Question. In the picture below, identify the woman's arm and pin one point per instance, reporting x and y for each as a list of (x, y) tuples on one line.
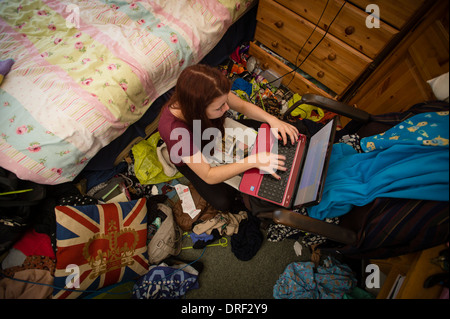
[(254, 112), (267, 162)]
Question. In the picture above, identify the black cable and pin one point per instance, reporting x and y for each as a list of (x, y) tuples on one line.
[(297, 67), (310, 35)]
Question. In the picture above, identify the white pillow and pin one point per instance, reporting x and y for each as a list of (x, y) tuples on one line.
[(440, 88)]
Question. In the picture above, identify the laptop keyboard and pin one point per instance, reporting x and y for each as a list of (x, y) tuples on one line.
[(271, 188)]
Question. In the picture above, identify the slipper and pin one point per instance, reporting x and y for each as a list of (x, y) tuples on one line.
[(163, 156)]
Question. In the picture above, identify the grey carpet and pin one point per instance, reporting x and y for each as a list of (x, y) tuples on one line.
[(224, 276)]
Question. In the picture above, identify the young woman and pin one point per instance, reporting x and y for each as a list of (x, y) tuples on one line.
[(202, 97)]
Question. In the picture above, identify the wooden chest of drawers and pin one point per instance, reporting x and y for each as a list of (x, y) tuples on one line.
[(332, 42), (401, 80)]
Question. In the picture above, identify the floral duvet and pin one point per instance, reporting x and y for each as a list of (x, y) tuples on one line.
[(83, 71)]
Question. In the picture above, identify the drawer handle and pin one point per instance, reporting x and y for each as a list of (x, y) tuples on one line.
[(275, 44), (265, 66), (320, 74), (332, 56), (279, 24), (349, 30)]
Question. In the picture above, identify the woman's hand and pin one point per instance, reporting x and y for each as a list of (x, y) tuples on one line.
[(268, 162), (285, 130), (255, 112)]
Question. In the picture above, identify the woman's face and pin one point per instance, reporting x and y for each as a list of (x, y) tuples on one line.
[(218, 107)]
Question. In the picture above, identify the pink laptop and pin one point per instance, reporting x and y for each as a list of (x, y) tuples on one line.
[(307, 163)]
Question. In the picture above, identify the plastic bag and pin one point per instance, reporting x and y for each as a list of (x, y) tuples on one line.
[(305, 110), (147, 167)]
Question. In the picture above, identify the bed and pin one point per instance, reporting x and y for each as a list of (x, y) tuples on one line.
[(83, 73)]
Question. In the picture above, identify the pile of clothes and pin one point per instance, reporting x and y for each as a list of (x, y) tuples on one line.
[(263, 88)]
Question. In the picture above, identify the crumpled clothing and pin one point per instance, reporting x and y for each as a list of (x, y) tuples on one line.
[(246, 243), (354, 140), (279, 232), (164, 282), (226, 223), (201, 237), (30, 263), (18, 289), (241, 85), (428, 129), (303, 280), (305, 111), (34, 243), (410, 160)]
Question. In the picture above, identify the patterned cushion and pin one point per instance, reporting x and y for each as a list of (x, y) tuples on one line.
[(99, 245)]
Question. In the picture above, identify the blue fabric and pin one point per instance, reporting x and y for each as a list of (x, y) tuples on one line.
[(302, 280), (201, 237), (405, 169), (94, 178), (241, 84), (429, 129)]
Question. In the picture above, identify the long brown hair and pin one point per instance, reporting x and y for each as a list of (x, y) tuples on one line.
[(197, 87)]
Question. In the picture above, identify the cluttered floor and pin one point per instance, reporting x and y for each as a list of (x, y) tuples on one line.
[(123, 233)]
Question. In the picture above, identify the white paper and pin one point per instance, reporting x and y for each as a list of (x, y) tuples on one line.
[(187, 202), (298, 248)]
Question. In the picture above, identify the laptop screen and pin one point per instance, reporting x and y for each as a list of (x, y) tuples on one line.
[(314, 165)]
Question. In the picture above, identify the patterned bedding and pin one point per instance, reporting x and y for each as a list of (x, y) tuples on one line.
[(83, 71)]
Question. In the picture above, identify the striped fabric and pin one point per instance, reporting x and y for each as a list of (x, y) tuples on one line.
[(393, 227)]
